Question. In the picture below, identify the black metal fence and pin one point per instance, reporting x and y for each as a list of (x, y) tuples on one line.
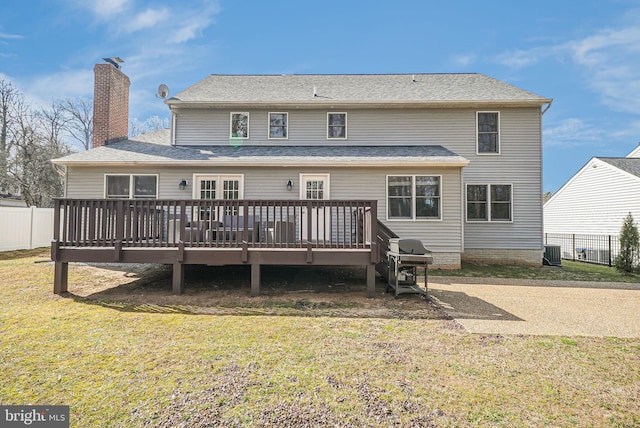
[(598, 249)]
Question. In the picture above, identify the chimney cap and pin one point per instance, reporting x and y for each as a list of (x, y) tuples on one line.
[(115, 61)]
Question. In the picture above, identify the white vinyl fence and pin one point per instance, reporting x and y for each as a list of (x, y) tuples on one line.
[(25, 228)]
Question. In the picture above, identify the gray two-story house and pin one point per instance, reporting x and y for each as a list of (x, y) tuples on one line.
[(309, 169)]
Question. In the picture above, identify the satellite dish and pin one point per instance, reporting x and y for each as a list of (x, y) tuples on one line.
[(163, 91)]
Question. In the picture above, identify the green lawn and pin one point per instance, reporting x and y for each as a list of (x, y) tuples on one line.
[(570, 271), (129, 364)]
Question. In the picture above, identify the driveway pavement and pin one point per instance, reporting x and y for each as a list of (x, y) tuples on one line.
[(497, 306)]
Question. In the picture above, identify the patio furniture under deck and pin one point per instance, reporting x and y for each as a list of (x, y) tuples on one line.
[(215, 232)]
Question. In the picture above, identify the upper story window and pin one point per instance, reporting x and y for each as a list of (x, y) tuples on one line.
[(129, 186), (278, 126), (239, 125), (488, 126), (337, 126), (413, 197), (489, 202)]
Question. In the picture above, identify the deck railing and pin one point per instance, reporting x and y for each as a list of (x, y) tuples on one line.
[(215, 223)]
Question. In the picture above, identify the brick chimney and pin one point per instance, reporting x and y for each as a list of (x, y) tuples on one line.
[(110, 105)]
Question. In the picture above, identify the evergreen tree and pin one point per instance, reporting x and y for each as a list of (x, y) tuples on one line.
[(629, 245)]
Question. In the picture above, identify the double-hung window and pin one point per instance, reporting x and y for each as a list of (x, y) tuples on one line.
[(336, 126), (131, 186), (489, 202), (278, 126), (239, 125), (413, 197), (488, 132)]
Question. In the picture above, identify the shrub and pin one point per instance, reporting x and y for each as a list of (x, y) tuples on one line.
[(629, 246)]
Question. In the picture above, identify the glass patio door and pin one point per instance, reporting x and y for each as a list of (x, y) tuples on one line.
[(315, 187)]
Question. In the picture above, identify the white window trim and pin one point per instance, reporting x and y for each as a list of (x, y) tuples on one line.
[(218, 178), (131, 188), (231, 125), (346, 125), (413, 198), (269, 137), (499, 142), (489, 217), (306, 176)]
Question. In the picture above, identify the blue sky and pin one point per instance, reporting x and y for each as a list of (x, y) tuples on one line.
[(585, 55)]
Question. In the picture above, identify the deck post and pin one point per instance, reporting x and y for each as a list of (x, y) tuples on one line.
[(178, 278), (61, 277), (371, 280), (255, 279)]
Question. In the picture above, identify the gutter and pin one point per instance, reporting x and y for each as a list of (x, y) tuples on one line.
[(352, 163), (547, 107), (178, 104)]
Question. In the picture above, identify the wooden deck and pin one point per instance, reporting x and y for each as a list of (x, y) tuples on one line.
[(215, 232)]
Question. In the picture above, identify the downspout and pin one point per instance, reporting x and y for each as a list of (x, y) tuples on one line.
[(541, 171), (173, 128)]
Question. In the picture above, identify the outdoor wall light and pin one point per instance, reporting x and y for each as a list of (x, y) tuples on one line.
[(183, 184), (289, 185)]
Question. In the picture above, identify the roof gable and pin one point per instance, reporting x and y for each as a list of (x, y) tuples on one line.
[(630, 166)]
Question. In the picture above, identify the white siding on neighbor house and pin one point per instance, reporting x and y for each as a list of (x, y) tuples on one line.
[(270, 183), (519, 162), (594, 202)]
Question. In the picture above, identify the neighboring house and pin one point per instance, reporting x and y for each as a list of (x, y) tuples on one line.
[(597, 198), (451, 159), (12, 201), (11, 197)]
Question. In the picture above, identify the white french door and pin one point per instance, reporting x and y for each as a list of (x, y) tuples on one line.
[(225, 187)]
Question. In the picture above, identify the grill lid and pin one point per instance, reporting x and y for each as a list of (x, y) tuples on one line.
[(407, 246)]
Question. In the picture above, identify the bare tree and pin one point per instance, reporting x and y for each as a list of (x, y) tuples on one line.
[(152, 124), (79, 125), (52, 123), (34, 137), (8, 95)]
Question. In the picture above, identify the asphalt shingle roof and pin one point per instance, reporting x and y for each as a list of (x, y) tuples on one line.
[(155, 149), (630, 165), (361, 88)]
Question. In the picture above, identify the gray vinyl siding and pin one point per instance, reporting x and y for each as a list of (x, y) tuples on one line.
[(595, 201), (270, 183), (519, 164)]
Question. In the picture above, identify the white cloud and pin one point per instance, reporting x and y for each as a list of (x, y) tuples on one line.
[(463, 60), (147, 19), (608, 59), (104, 9), (571, 132), (190, 25), (67, 84), (523, 58), (11, 36)]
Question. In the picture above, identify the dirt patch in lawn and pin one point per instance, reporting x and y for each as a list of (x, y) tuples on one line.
[(225, 290)]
